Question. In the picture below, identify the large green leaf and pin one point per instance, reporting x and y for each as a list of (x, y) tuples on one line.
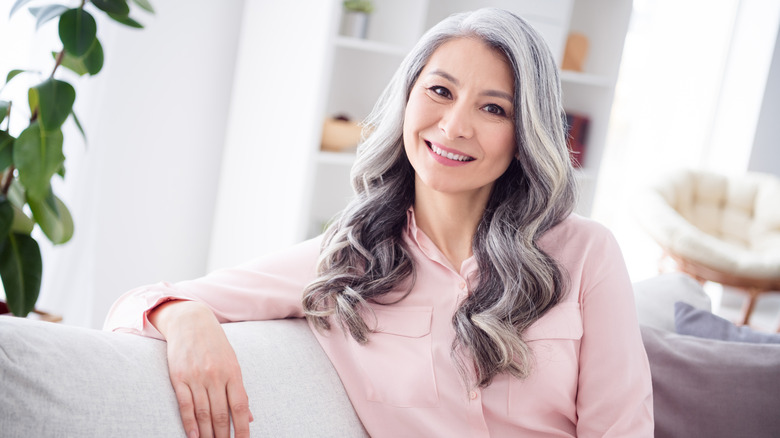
[(144, 4), (90, 62), (77, 31), (6, 148), (20, 268), (22, 223), (118, 7), (12, 74), (38, 155), (6, 216), (53, 217), (54, 100), (127, 21), (16, 194), (4, 105)]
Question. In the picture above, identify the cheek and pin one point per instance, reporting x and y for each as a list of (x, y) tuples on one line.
[(412, 120), (506, 146)]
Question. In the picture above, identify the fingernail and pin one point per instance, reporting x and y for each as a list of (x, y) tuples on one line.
[(193, 434), (251, 417)]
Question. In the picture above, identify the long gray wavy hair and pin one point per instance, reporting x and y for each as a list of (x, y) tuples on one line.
[(364, 256)]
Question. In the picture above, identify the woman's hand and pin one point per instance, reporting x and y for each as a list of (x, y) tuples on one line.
[(204, 371)]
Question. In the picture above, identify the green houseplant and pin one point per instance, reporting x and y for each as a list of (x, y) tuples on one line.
[(364, 6), (30, 159)]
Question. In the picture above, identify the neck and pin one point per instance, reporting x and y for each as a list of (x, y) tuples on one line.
[(449, 220)]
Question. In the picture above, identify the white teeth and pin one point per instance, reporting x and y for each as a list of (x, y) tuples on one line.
[(449, 155)]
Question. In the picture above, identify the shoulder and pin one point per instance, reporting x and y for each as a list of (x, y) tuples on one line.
[(583, 247), (576, 231), (301, 256)]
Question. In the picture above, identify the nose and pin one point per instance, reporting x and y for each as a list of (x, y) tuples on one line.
[(456, 122)]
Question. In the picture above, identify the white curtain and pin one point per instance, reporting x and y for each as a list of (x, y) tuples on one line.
[(693, 74)]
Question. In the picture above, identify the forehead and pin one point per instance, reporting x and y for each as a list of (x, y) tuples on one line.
[(472, 59)]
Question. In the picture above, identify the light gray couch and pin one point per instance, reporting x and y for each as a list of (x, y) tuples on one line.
[(62, 381)]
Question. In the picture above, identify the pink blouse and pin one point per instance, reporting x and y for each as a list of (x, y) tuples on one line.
[(590, 376)]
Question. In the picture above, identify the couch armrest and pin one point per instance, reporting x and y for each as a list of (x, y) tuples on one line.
[(58, 380)]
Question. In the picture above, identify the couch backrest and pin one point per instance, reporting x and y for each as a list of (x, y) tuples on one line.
[(58, 380)]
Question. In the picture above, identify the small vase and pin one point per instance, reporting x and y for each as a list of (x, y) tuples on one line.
[(354, 24)]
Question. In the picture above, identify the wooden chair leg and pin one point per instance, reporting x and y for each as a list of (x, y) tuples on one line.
[(750, 304)]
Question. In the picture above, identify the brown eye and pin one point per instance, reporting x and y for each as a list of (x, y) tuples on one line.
[(494, 109), (441, 91)]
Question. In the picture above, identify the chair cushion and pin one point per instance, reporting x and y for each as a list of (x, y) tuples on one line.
[(730, 224)]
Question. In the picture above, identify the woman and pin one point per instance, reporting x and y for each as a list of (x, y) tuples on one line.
[(456, 295)]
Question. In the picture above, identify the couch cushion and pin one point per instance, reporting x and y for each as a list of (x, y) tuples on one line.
[(691, 321), (58, 380), (714, 389), (655, 298)]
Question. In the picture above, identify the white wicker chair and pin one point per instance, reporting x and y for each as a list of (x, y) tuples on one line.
[(718, 228)]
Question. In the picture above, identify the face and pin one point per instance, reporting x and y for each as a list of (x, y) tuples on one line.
[(459, 124)]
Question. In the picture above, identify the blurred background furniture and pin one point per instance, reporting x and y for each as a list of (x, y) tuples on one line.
[(718, 228)]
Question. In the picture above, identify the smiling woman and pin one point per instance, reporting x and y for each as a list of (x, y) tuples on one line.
[(459, 135), (455, 295)]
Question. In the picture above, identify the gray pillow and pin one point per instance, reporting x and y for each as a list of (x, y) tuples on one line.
[(710, 388), (691, 321)]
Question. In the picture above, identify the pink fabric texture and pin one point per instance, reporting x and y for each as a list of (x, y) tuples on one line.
[(590, 375)]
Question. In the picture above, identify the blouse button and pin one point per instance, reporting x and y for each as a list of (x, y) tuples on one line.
[(462, 286), (473, 395)]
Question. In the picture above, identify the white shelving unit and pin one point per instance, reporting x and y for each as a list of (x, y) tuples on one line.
[(359, 70)]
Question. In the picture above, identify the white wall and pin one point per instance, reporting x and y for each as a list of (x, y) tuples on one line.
[(765, 156), (143, 190), (745, 78), (278, 96)]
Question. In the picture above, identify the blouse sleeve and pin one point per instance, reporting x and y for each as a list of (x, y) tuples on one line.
[(614, 396), (262, 289)]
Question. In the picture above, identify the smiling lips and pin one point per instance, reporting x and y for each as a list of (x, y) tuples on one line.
[(446, 157)]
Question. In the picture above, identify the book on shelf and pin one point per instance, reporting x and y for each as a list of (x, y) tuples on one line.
[(576, 136)]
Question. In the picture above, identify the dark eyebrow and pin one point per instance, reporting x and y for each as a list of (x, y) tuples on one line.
[(446, 76), (491, 93), (500, 95)]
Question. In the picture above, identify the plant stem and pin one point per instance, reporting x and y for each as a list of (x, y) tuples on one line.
[(57, 62), (8, 177)]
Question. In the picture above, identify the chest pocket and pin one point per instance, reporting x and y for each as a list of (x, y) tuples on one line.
[(563, 321), (397, 361), (552, 384)]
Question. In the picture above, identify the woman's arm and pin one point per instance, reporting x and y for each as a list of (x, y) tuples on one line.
[(266, 288), (614, 396), (204, 370)]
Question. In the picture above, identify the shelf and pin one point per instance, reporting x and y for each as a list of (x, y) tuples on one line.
[(575, 77), (338, 158), (370, 46)]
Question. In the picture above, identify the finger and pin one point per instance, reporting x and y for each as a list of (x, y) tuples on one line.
[(202, 411), (186, 409), (239, 408), (220, 413)]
